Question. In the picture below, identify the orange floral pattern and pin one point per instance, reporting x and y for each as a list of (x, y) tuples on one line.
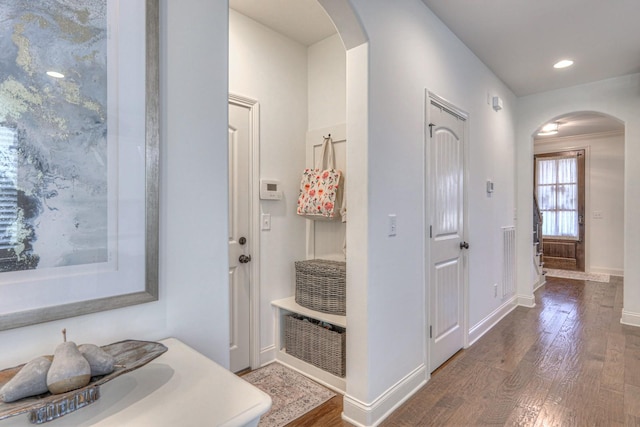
[(319, 193)]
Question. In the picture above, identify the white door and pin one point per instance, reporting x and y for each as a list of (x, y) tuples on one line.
[(447, 246), (239, 236)]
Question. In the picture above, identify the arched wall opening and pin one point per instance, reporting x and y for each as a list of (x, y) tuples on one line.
[(615, 98), (599, 220)]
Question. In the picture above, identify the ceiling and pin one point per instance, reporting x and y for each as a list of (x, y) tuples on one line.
[(302, 20), (519, 40)]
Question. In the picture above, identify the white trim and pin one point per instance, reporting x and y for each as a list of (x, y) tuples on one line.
[(581, 137), (528, 301), (267, 355), (629, 318), (485, 325), (363, 414), (605, 270), (253, 239)]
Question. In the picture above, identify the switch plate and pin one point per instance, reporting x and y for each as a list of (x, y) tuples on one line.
[(393, 225), (265, 221)]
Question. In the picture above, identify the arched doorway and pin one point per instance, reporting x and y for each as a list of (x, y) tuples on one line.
[(579, 186)]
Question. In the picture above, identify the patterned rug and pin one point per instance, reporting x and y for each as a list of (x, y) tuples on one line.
[(293, 394), (578, 275)]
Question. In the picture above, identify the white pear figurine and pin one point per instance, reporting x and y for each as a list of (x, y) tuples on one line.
[(69, 369), (101, 362), (30, 380)]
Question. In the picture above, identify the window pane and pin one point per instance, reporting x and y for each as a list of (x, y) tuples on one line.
[(546, 197), (567, 170), (567, 224), (546, 172), (567, 197), (549, 223)]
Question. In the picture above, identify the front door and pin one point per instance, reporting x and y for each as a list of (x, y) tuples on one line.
[(560, 188), (239, 243), (447, 246)]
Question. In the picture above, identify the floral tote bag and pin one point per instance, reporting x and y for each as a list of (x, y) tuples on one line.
[(321, 187)]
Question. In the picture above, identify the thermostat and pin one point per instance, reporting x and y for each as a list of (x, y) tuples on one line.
[(270, 190)]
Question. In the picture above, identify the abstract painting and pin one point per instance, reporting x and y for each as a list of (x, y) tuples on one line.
[(53, 133)]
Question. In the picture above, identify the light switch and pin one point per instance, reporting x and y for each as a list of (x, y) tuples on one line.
[(265, 221), (393, 225)]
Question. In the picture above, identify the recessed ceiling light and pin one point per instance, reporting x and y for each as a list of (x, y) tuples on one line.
[(563, 64), (55, 74)]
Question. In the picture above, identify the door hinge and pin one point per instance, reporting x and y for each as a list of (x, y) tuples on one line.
[(431, 125), (431, 231), (430, 331)]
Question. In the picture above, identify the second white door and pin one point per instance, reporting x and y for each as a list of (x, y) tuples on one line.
[(447, 245)]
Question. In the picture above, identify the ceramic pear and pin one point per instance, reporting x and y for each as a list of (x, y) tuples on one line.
[(101, 362), (29, 381), (69, 369)]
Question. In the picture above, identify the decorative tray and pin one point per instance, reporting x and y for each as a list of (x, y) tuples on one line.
[(129, 355)]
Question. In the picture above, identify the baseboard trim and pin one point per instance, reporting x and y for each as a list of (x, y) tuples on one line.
[(363, 414), (630, 318), (491, 320), (528, 301), (267, 355), (609, 271), (541, 283)]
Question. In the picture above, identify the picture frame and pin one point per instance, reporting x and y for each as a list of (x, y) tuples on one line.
[(128, 272)]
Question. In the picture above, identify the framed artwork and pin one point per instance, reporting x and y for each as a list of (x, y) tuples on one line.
[(78, 157)]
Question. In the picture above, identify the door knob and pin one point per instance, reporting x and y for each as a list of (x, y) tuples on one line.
[(464, 245), (244, 259)]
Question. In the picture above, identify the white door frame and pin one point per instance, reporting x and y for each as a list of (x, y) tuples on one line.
[(253, 240), (431, 96)]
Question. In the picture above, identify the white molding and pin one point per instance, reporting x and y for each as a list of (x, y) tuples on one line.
[(582, 137), (364, 414), (609, 271), (486, 324), (630, 318), (528, 301), (541, 282), (267, 355), (253, 106)]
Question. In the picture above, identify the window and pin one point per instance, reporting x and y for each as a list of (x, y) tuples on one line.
[(557, 191)]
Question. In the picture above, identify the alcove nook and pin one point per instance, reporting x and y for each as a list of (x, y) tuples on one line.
[(298, 79)]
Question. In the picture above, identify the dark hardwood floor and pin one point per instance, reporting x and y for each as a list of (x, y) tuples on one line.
[(566, 362)]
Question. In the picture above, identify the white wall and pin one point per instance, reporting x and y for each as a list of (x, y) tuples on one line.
[(327, 115), (272, 69), (604, 195), (617, 97), (410, 50), (327, 83), (193, 303)]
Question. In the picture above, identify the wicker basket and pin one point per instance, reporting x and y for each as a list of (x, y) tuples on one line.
[(321, 285), (315, 344)]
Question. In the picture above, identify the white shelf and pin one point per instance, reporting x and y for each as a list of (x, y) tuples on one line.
[(290, 304)]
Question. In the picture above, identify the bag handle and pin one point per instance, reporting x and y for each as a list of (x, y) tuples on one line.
[(327, 150)]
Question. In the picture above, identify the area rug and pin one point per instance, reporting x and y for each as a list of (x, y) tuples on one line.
[(578, 275), (292, 394)]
